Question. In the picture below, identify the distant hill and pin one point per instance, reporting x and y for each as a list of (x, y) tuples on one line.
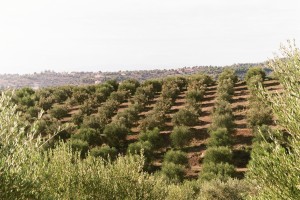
[(51, 78)]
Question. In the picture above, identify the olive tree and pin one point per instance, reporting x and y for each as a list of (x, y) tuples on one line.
[(274, 168)]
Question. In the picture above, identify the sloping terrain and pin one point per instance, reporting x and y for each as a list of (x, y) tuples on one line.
[(242, 137)]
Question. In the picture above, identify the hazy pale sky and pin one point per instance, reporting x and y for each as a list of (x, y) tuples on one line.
[(111, 35)]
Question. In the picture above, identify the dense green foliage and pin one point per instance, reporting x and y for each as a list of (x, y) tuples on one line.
[(274, 165), (185, 117), (180, 136)]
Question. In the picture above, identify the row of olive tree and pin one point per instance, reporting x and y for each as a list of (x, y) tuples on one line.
[(29, 171), (217, 162)]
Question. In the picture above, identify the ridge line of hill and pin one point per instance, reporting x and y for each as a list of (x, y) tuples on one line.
[(50, 78)]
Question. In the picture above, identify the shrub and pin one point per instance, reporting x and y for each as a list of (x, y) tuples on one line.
[(112, 83), (128, 117), (140, 99), (156, 84), (104, 152), (152, 121), (201, 79), (33, 111), (87, 108), (218, 155), (222, 121), (219, 137), (222, 107), (173, 172), (59, 112), (77, 118), (176, 157), (170, 90), (225, 90), (103, 91), (228, 74), (163, 105), (119, 96), (80, 145), (128, 87), (180, 136), (108, 109), (60, 95), (253, 84), (195, 94), (115, 134), (89, 135), (147, 91), (80, 95), (259, 114), (232, 189), (142, 147), (193, 105), (186, 117), (94, 121), (153, 137), (221, 171), (45, 103), (255, 71), (29, 171)]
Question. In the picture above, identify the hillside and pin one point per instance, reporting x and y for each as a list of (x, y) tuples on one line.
[(196, 148), (112, 118), (50, 78)]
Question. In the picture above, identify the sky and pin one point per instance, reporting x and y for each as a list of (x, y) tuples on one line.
[(113, 35)]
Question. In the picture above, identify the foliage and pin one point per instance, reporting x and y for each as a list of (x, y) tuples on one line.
[(115, 134), (218, 155), (77, 118), (176, 157), (221, 171), (225, 89), (108, 109), (258, 114), (274, 168), (80, 94), (186, 117), (104, 152), (141, 147), (119, 96), (153, 120), (59, 111), (170, 90), (45, 102), (228, 74), (28, 172), (79, 145), (195, 94), (60, 95), (129, 85), (255, 71), (222, 121), (89, 135), (201, 79), (153, 137), (173, 172), (129, 116), (180, 136), (232, 189), (219, 137), (156, 84)]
